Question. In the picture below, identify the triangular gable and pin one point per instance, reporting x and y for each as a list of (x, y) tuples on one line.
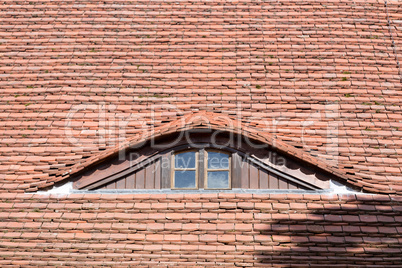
[(204, 122)]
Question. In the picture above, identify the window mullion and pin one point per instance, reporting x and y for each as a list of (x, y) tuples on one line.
[(201, 169)]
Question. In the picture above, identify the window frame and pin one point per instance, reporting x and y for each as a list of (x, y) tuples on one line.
[(174, 169), (201, 168), (206, 169)]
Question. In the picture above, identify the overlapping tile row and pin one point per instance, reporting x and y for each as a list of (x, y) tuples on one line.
[(205, 230), (322, 75)]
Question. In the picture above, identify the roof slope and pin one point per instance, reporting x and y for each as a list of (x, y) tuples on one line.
[(78, 76)]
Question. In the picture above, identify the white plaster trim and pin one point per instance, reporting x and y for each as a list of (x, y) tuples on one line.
[(66, 188), (338, 188)]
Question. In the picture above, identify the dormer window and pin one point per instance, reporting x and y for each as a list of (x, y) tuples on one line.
[(200, 165), (202, 169)]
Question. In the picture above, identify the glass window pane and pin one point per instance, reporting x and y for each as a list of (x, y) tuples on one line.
[(218, 160), (218, 179), (185, 160), (184, 179)]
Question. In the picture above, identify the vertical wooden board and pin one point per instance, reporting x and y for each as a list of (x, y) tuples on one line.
[(245, 181), (150, 176), (236, 170), (121, 183), (130, 181), (263, 179), (293, 185), (273, 181), (283, 184), (140, 179), (110, 186), (254, 177), (157, 175), (165, 170)]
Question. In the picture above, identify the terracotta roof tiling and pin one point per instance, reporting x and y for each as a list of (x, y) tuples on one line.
[(79, 77), (200, 230)]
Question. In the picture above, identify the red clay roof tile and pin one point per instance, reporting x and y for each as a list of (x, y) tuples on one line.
[(290, 61)]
